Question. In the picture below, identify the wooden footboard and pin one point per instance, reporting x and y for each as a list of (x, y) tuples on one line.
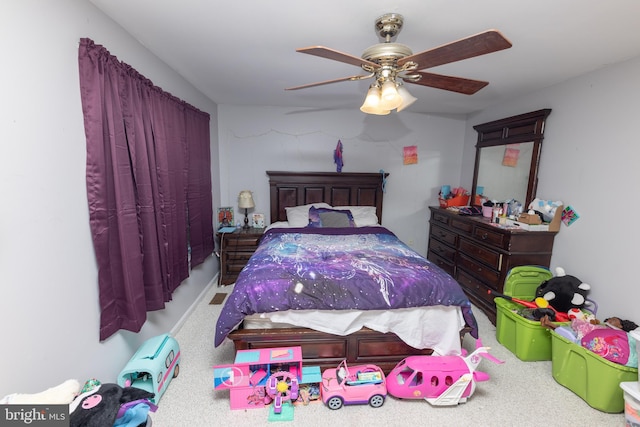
[(327, 350)]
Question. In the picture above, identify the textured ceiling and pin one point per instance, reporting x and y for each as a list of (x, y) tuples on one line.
[(243, 53)]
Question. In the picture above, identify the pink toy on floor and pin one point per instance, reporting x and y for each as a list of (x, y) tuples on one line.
[(440, 380)]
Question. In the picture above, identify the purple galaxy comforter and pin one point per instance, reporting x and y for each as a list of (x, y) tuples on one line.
[(365, 268)]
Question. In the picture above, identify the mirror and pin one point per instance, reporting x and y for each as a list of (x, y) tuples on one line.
[(507, 158), (503, 171)]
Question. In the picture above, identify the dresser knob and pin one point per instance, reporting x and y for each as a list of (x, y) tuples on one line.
[(484, 236)]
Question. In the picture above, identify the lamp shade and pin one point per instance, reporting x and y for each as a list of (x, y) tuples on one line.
[(407, 98), (371, 103), (389, 97), (245, 200)]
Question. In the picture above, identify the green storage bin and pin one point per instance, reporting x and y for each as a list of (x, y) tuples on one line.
[(523, 337), (593, 378)]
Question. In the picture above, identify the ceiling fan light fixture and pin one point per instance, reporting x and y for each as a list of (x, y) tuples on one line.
[(407, 98), (372, 103), (391, 64), (389, 97)]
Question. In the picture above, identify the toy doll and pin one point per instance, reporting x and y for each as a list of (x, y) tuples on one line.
[(610, 340)]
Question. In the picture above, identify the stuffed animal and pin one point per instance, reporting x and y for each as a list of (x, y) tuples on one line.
[(104, 404), (587, 316), (61, 394), (564, 292)]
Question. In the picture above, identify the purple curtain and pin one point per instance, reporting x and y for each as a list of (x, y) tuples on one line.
[(149, 198), (199, 188)]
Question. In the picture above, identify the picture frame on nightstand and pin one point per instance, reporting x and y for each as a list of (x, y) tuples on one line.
[(257, 220), (225, 217)]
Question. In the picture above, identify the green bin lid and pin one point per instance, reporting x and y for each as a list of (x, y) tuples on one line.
[(522, 281)]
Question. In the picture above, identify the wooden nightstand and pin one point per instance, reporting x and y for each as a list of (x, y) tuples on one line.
[(235, 250)]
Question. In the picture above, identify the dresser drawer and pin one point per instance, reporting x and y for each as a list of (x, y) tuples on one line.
[(486, 274), (490, 237), (478, 252), (238, 257), (443, 250), (439, 217), (461, 225), (444, 264), (240, 243), (444, 235), (479, 289)]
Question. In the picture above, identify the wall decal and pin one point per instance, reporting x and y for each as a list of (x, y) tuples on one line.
[(410, 155)]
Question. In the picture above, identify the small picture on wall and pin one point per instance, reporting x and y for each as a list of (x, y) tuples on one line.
[(225, 217), (569, 216), (410, 155)]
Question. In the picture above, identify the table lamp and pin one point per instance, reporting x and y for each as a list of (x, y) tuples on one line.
[(245, 201)]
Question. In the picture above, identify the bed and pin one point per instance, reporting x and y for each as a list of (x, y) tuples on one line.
[(314, 191)]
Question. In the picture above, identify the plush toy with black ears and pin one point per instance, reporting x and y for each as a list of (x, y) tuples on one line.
[(104, 404), (564, 292)]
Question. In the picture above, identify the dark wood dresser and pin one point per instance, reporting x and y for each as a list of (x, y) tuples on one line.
[(479, 255), (235, 250)]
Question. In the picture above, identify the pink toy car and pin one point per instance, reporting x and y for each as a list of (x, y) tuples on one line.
[(357, 385)]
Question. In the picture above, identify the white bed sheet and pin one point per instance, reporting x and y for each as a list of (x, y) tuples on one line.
[(435, 327), (278, 224)]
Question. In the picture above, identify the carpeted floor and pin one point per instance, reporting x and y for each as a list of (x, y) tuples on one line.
[(518, 393)]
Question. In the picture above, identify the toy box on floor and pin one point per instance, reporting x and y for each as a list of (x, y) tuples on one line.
[(535, 293), (636, 336), (523, 337), (593, 378), (631, 403)]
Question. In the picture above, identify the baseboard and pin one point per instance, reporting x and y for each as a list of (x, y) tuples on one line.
[(176, 328)]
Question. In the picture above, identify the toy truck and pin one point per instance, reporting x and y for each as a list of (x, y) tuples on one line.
[(153, 366)]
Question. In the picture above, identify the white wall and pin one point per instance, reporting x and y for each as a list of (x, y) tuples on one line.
[(49, 303), (590, 158), (256, 139)]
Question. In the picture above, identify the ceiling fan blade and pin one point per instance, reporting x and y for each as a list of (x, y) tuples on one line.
[(476, 45), (326, 82), (325, 52), (453, 84)]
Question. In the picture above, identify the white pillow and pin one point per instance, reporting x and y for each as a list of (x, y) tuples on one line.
[(298, 216), (363, 216), (277, 224)]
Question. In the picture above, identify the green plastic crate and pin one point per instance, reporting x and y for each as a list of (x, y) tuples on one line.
[(523, 337), (593, 378)]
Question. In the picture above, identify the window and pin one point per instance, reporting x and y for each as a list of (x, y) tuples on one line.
[(148, 187)]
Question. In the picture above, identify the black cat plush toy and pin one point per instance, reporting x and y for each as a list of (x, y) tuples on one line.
[(564, 292), (104, 404)]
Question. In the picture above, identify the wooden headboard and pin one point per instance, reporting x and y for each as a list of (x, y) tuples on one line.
[(335, 188)]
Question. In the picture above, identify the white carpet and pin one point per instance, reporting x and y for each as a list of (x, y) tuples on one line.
[(518, 393)]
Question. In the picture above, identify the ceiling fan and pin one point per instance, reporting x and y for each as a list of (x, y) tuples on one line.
[(391, 64)]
